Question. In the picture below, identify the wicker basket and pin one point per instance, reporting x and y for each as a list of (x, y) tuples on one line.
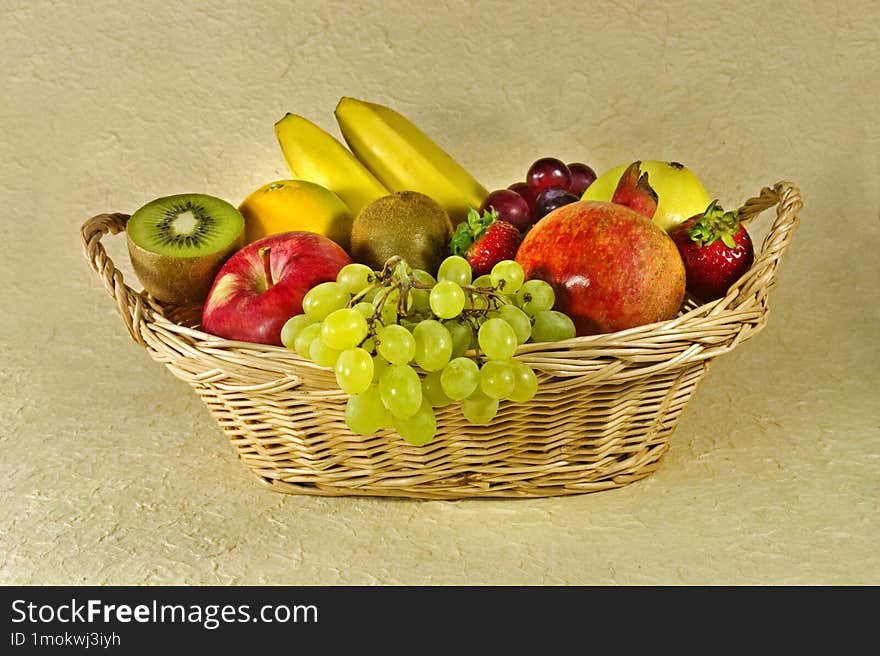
[(605, 409)]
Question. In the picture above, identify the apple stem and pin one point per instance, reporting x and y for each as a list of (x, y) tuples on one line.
[(264, 254)]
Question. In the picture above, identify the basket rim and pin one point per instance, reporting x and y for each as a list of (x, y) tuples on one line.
[(745, 300)]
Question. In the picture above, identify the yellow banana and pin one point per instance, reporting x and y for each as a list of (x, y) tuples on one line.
[(314, 155), (404, 158)]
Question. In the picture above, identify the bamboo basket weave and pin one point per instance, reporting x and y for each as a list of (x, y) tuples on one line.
[(602, 418)]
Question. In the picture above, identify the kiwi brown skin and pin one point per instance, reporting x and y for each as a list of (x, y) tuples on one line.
[(179, 280), (179, 268), (406, 223)]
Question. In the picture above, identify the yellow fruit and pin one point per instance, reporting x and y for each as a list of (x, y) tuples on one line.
[(404, 158), (286, 205), (315, 155), (680, 193)]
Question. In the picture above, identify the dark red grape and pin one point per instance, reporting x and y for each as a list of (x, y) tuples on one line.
[(549, 199), (582, 176), (510, 207), (525, 191), (548, 172)]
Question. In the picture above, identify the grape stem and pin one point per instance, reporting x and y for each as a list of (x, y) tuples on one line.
[(395, 275)]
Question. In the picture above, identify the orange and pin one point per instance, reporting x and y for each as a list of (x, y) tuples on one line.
[(285, 205)]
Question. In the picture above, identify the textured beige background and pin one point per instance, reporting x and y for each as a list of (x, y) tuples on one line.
[(113, 472)]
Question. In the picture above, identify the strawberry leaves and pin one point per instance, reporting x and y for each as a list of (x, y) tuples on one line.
[(470, 230), (715, 224)]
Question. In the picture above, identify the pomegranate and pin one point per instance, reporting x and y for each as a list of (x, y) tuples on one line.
[(611, 266)]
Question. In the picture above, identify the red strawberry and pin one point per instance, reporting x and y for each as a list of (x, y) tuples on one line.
[(484, 240), (716, 250)]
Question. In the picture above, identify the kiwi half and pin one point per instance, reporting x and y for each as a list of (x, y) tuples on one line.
[(177, 244)]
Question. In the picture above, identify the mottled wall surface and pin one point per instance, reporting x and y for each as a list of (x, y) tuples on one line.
[(113, 472)]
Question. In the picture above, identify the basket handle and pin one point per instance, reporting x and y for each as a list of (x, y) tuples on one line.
[(133, 307), (761, 278)]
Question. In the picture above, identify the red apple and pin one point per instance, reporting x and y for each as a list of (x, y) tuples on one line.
[(262, 285)]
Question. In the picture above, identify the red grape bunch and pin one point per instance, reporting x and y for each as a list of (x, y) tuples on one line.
[(549, 183)]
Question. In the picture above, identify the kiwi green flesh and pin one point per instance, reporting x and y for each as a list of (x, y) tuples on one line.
[(178, 244), (185, 225)]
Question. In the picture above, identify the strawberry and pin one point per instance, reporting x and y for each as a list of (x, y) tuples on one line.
[(484, 240), (716, 250)]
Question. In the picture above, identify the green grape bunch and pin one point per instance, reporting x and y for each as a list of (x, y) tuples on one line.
[(403, 343)]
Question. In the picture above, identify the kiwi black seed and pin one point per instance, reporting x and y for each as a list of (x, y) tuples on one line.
[(177, 244)]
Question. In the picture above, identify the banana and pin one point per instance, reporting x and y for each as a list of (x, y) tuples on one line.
[(404, 158), (314, 155)]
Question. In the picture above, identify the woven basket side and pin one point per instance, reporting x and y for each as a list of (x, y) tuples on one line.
[(573, 436), (602, 418)]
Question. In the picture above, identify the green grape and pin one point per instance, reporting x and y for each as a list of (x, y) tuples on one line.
[(552, 326), (292, 328), (354, 370), (460, 378), (432, 390), (380, 364), (483, 282), (390, 305), (420, 301), (355, 277), (535, 296), (423, 277), (497, 339), (447, 299), (364, 413), (322, 354), (365, 309), (417, 429), (476, 301), (462, 337), (433, 344), (344, 328), (323, 298), (517, 319), (507, 276), (478, 408), (455, 268), (303, 342), (525, 382), (497, 379), (370, 295), (401, 390), (396, 344)]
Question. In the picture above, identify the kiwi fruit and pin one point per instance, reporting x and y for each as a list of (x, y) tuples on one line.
[(406, 223), (177, 244)]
